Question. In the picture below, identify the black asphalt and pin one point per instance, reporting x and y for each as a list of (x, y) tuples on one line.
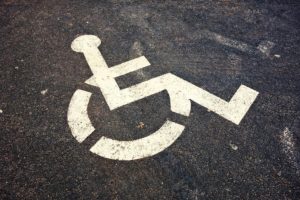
[(198, 41)]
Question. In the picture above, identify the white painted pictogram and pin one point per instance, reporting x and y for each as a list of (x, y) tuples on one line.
[(181, 93)]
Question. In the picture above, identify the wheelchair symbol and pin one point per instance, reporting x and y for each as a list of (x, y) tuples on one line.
[(181, 94)]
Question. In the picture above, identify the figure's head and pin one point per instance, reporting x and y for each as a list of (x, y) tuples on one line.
[(85, 42)]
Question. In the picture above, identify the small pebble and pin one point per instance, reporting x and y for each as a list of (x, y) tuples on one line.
[(1, 111), (16, 67), (140, 125), (233, 146), (277, 55), (43, 92), (279, 173)]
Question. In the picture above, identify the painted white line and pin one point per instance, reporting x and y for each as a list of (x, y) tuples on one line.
[(79, 122), (140, 148)]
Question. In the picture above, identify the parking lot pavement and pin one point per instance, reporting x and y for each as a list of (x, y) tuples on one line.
[(163, 129)]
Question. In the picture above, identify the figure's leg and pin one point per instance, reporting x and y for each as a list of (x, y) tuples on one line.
[(234, 110)]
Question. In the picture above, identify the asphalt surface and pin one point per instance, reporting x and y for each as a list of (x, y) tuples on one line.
[(216, 45)]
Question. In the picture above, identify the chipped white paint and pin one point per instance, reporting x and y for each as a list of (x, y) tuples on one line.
[(288, 146), (265, 47), (140, 148), (136, 50), (181, 94), (226, 41), (287, 140), (43, 92)]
